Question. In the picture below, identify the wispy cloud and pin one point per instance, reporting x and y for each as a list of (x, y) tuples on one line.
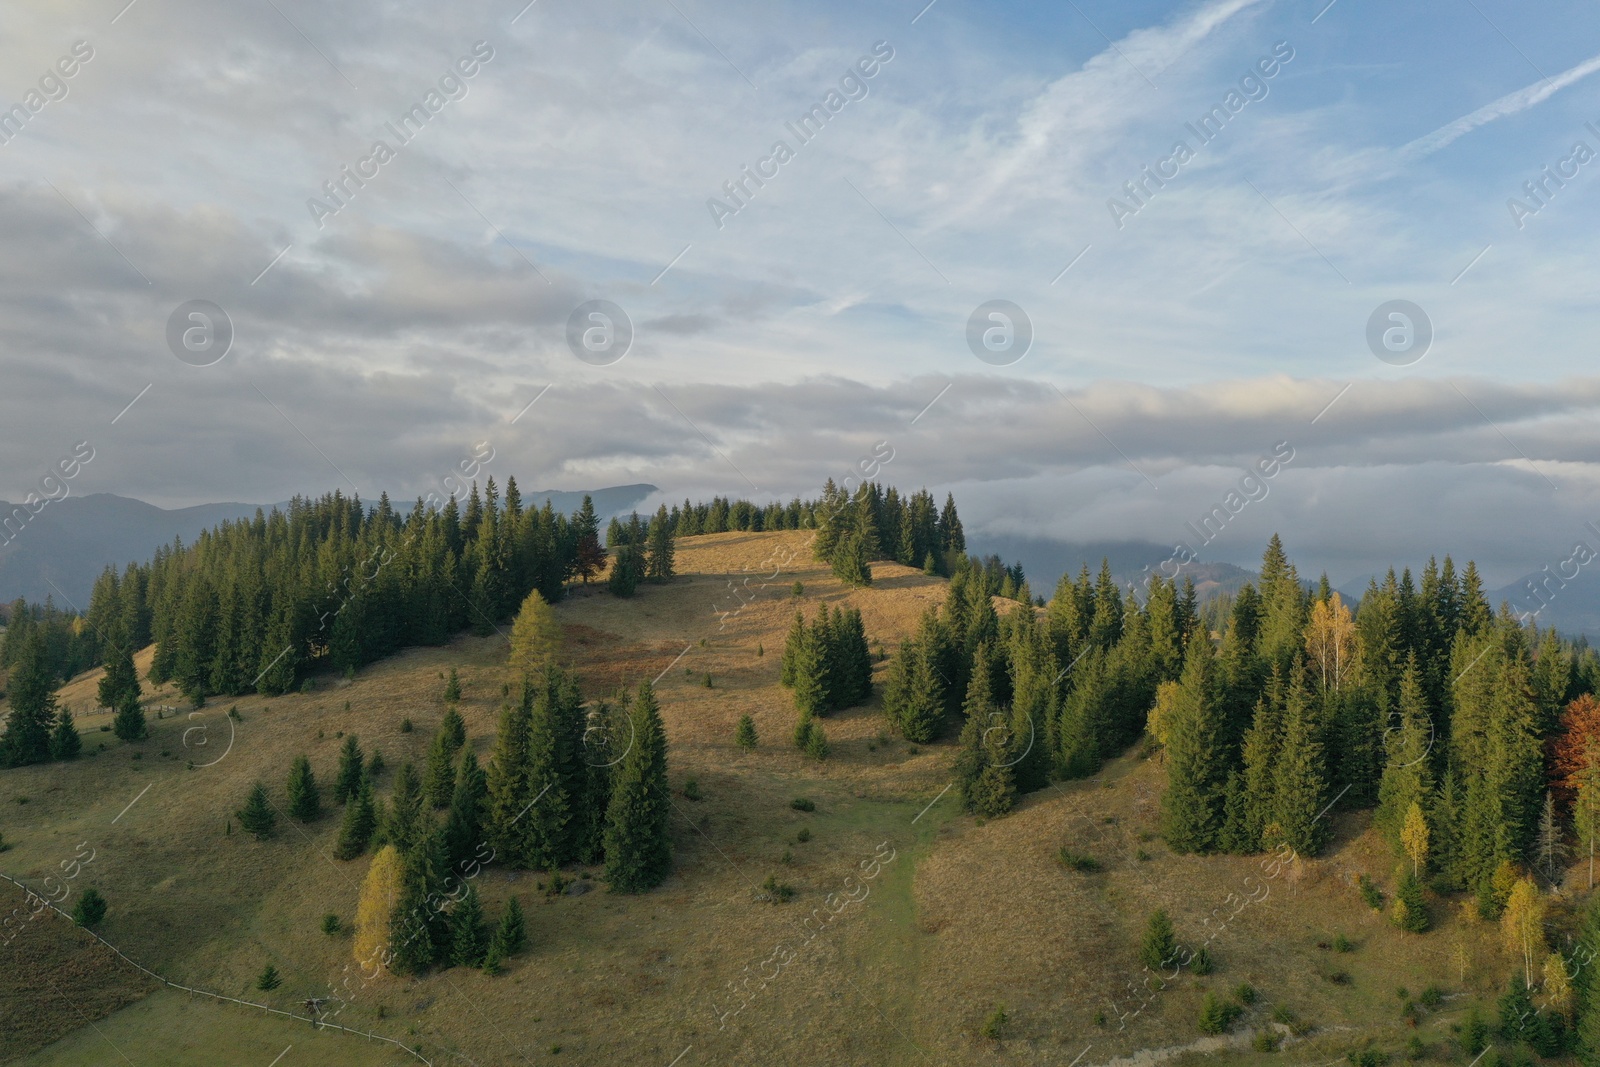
[(1510, 104)]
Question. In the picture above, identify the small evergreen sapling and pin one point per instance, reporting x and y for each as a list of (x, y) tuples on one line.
[(1160, 943), (129, 722), (90, 909), (305, 799), (469, 935), (348, 782), (64, 740), (744, 735), (512, 933), (257, 816), (360, 821)]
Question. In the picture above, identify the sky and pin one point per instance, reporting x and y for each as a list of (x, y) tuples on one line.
[(1159, 340)]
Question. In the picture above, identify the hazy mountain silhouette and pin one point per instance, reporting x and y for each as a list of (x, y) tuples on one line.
[(1044, 561)]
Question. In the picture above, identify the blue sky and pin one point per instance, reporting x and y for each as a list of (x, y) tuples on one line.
[(771, 352)]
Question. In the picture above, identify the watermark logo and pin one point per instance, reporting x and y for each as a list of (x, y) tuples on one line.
[(1399, 333), (599, 332), (999, 333), (199, 332)]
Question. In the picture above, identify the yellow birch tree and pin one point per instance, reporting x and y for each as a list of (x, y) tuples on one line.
[(1522, 925)]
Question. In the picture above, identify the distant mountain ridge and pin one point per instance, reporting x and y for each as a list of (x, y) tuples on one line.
[(1044, 561), (61, 551)]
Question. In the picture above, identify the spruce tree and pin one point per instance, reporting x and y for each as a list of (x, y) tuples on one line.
[(119, 680), (129, 722), (792, 646), (1160, 945), (463, 829), (360, 822), (512, 933), (1410, 911), (33, 704), (626, 571), (816, 745), (439, 780), (1302, 775), (744, 735), (411, 933), (543, 833), (90, 908), (64, 740), (850, 561), (405, 824), (802, 728), (914, 698), (813, 674), (348, 781), (659, 565), (637, 849), (469, 934), (1197, 772), (1408, 772), (305, 800), (452, 687), (453, 728), (257, 816), (1258, 786), (507, 780)]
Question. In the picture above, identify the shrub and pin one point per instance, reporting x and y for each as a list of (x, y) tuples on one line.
[(1367, 1057), (1077, 862), (1245, 993), (1432, 997), (1415, 1049), (804, 835), (1370, 893), (1265, 1041), (691, 789), (802, 804), (405, 726), (1342, 943), (777, 892), (90, 909), (798, 589), (995, 1025), (1338, 977), (1203, 963), (330, 924), (308, 685)]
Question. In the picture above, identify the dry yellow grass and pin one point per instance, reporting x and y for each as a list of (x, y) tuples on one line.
[(964, 916)]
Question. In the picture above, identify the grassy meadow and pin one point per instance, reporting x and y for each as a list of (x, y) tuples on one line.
[(904, 967)]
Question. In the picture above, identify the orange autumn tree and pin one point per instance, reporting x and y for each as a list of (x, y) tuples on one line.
[(1572, 745)]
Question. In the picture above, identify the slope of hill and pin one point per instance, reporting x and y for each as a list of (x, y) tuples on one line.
[(910, 923), (61, 551)]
